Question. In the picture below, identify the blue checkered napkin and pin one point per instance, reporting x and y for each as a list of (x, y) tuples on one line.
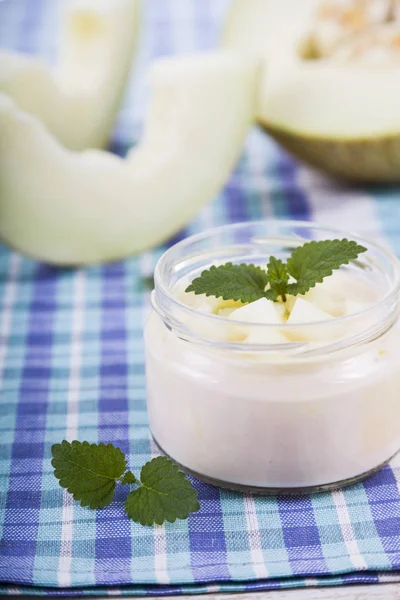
[(71, 365), (71, 361)]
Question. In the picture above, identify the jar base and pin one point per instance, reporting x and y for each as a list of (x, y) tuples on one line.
[(276, 491)]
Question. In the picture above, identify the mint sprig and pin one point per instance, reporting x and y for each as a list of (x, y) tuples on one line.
[(90, 473), (278, 279), (307, 265)]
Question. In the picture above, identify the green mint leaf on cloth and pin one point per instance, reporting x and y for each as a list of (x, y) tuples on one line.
[(231, 282), (88, 471), (311, 263), (278, 278), (128, 478), (164, 494)]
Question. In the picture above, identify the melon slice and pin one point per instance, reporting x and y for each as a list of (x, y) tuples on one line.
[(82, 207), (304, 313), (252, 25), (261, 312), (78, 99), (339, 115)]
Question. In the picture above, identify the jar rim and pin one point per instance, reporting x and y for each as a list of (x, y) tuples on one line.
[(162, 288)]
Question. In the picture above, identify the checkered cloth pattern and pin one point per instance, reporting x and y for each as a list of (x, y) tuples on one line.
[(71, 365)]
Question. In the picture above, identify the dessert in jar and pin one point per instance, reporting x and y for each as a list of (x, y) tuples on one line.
[(295, 394)]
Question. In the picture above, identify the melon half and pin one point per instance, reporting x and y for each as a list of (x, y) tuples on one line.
[(337, 111)]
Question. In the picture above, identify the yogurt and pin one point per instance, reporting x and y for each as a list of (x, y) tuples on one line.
[(277, 399)]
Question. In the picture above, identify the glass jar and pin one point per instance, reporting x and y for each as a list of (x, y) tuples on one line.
[(274, 418)]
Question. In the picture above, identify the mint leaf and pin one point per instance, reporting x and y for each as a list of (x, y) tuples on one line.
[(128, 478), (308, 264), (278, 278), (88, 471), (164, 494), (313, 261), (231, 282)]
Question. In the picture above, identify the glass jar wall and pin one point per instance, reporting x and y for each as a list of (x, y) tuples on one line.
[(295, 417)]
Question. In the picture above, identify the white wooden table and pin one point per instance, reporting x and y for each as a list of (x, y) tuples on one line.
[(382, 591)]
